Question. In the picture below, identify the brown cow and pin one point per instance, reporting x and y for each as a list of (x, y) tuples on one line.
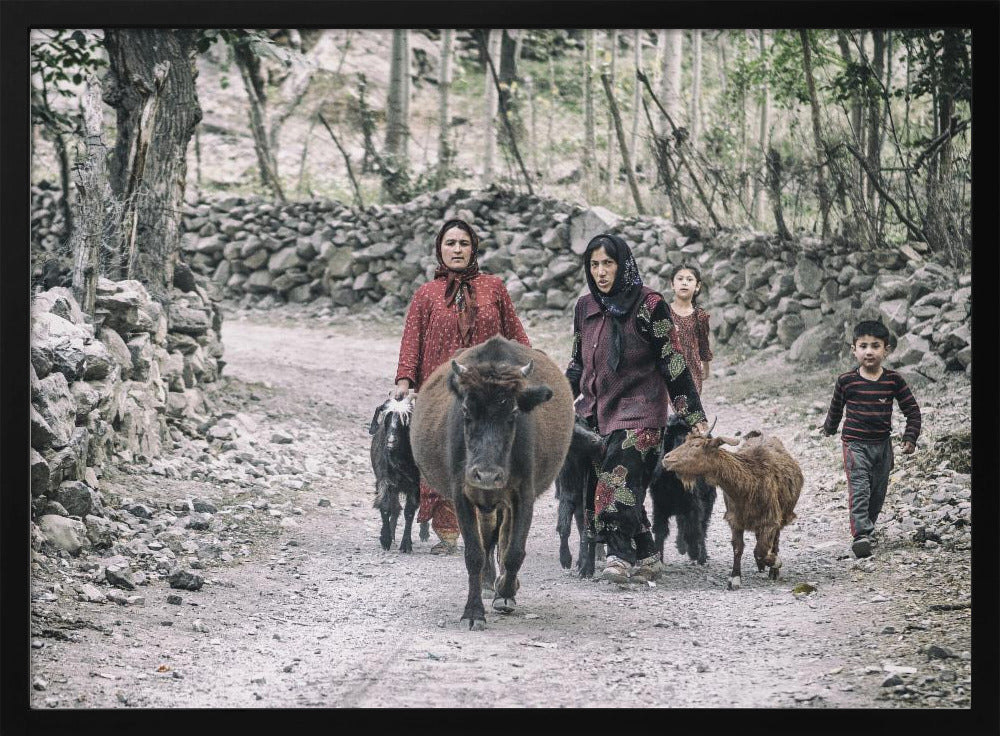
[(490, 431)]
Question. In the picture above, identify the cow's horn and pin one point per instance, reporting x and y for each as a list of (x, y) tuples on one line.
[(525, 370), (458, 367)]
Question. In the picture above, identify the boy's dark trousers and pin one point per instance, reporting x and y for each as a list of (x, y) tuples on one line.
[(867, 465)]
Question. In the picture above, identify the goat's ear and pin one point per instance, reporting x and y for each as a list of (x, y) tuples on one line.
[(453, 383), (532, 397), (376, 420), (716, 441)]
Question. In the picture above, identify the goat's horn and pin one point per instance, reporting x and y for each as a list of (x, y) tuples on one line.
[(525, 370), (713, 425), (458, 367)]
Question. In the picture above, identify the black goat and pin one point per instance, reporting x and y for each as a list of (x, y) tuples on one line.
[(395, 471), (693, 508), (576, 477)]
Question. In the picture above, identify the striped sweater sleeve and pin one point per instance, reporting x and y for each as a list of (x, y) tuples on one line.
[(911, 410), (836, 411)]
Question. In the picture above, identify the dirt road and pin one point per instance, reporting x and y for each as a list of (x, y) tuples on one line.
[(313, 613)]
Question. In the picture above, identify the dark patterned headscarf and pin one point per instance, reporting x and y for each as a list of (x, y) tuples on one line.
[(459, 288), (624, 292)]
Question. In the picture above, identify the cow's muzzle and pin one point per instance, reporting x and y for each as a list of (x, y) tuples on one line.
[(486, 478)]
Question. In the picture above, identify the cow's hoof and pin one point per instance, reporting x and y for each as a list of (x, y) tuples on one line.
[(734, 583), (773, 573), (406, 546), (504, 605), (477, 624), (566, 562), (425, 533)]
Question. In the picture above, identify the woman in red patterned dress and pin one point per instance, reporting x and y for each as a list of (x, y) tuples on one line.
[(461, 307)]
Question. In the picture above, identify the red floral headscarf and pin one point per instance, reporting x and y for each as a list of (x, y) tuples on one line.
[(460, 289)]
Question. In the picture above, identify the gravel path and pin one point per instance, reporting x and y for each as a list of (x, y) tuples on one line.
[(300, 607)]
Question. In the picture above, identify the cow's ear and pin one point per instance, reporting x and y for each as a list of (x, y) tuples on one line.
[(376, 420), (532, 397)]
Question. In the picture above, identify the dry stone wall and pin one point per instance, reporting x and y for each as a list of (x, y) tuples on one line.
[(802, 296), (115, 389)]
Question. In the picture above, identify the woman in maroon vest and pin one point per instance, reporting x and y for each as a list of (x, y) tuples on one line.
[(625, 370)]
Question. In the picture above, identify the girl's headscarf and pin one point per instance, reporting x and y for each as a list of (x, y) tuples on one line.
[(459, 289), (624, 291)]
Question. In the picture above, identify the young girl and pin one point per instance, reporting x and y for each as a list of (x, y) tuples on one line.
[(690, 322)]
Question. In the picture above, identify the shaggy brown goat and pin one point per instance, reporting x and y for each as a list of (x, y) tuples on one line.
[(760, 484)]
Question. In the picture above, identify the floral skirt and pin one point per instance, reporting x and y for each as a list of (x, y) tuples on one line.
[(617, 514), (439, 511)]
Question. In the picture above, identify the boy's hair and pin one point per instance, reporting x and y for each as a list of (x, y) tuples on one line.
[(874, 328), (697, 275)]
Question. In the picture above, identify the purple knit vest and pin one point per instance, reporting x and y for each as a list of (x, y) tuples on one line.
[(635, 396)]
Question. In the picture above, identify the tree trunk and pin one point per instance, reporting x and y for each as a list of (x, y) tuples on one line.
[(671, 83), (300, 185), (491, 104), (875, 116), (636, 97), (529, 85), (397, 118), (762, 133), (773, 165), (249, 66), (66, 205), (613, 107), (589, 138), (696, 87), (612, 167), (94, 192), (553, 96), (824, 197), (444, 115), (133, 57)]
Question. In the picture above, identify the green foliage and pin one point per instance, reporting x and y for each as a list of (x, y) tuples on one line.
[(60, 61), (942, 60)]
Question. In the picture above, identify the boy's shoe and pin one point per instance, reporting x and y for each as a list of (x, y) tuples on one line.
[(647, 570), (616, 570), (862, 547)]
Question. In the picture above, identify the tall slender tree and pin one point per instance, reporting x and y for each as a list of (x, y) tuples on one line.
[(397, 118), (444, 115), (492, 103), (589, 136), (821, 155)]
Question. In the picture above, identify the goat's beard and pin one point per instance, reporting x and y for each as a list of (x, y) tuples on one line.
[(688, 481)]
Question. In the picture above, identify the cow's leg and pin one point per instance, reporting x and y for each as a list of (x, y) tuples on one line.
[(520, 513), (488, 532), (474, 558), (425, 531), (734, 576), (773, 561), (409, 511), (564, 522)]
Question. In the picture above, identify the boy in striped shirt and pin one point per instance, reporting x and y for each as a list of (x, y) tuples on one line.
[(866, 393)]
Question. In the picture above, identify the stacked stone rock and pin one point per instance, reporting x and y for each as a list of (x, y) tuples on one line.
[(107, 391), (802, 296)]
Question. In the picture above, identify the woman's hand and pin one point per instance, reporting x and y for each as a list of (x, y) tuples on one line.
[(402, 388)]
